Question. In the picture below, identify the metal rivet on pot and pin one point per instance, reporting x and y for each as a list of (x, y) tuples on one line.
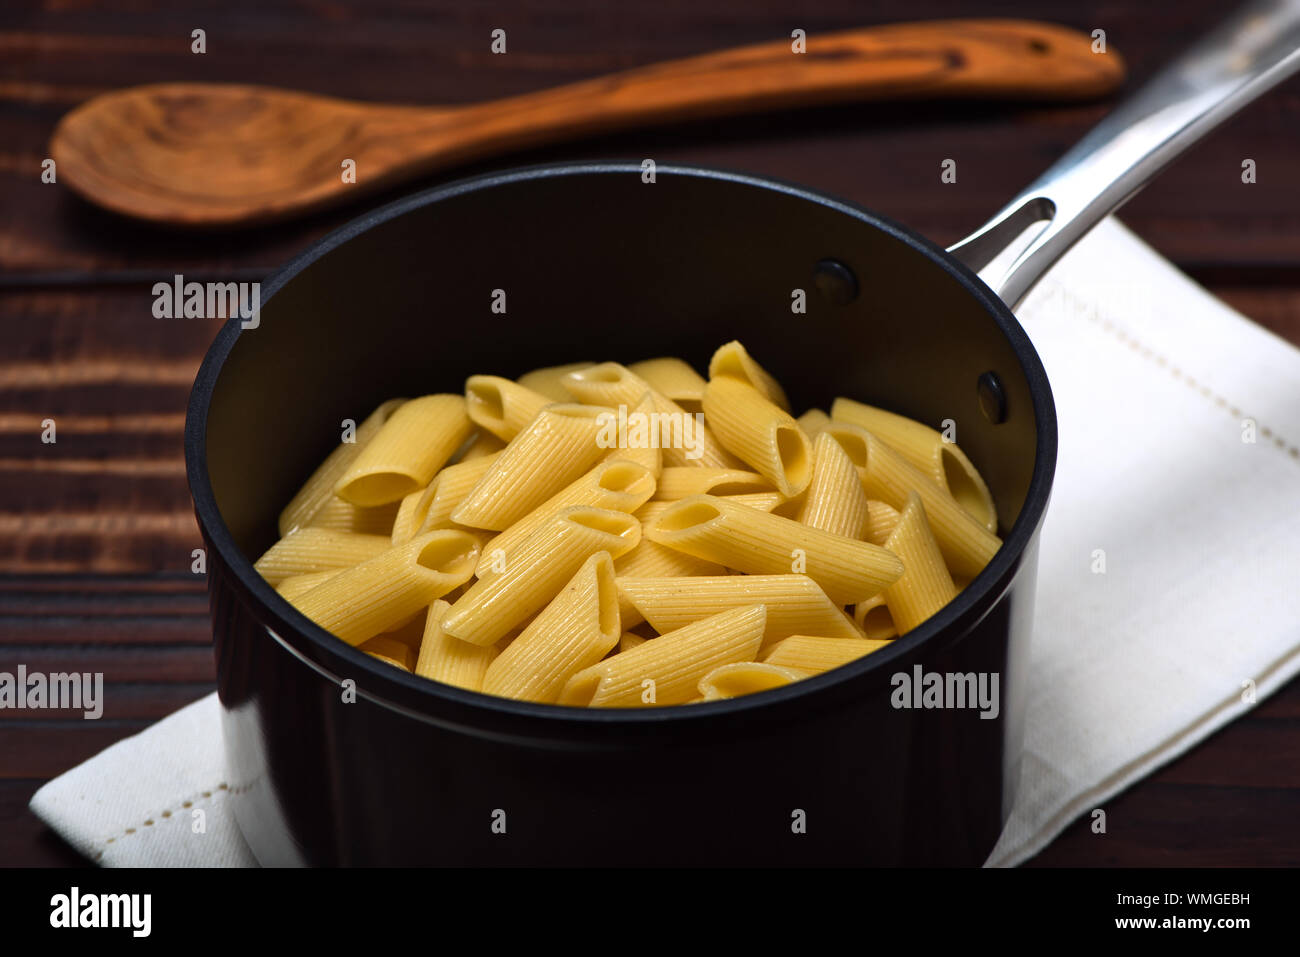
[(835, 281), (993, 398)]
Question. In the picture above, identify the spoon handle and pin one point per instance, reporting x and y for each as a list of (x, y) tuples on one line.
[(942, 58)]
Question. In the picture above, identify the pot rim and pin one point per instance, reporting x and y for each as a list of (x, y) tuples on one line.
[(422, 698)]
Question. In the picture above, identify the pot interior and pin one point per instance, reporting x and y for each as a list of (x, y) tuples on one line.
[(597, 264)]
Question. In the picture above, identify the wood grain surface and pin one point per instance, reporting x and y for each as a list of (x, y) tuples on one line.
[(96, 530)]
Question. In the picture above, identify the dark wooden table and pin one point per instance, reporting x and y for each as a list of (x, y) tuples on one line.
[(96, 530)]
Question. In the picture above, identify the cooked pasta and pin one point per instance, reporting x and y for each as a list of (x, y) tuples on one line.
[(617, 485), (383, 592), (500, 406), (834, 501), (549, 381), (557, 447), (929, 451), (759, 433), (795, 603), (668, 669), (450, 660), (576, 630), (673, 379), (733, 361), (502, 600), (602, 535), (815, 655), (316, 550), (320, 487), (745, 677), (759, 543), (418, 439)]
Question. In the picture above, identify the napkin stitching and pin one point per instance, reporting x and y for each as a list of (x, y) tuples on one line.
[(1092, 313), (166, 813)]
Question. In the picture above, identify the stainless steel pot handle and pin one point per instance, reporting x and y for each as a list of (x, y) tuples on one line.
[(1246, 56)]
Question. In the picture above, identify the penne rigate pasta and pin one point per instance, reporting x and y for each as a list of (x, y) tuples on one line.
[(746, 677), (815, 655), (834, 501), (668, 669), (929, 451), (795, 603), (502, 600), (678, 482), (733, 361), (309, 549), (295, 586), (576, 630), (926, 585), (450, 660), (383, 592), (874, 618), (614, 484), (601, 535), (558, 446), (342, 516), (448, 489), (813, 422), (759, 543), (673, 379), (549, 381), (681, 437), (759, 433), (319, 489), (500, 406), (881, 519), (967, 546), (417, 440), (390, 650)]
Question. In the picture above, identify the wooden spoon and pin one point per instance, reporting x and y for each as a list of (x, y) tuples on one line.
[(224, 155)]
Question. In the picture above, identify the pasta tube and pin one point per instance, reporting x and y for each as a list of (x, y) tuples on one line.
[(500, 406), (929, 451), (873, 617), (417, 440), (926, 585), (682, 437), (746, 677), (616, 485), (387, 590), (503, 600), (967, 546), (450, 660), (795, 604), (549, 381), (759, 433), (763, 544), (834, 501), (813, 422), (320, 487), (576, 630), (814, 655), (675, 483), (316, 550), (673, 379), (557, 447), (881, 519), (342, 516), (733, 361), (668, 669)]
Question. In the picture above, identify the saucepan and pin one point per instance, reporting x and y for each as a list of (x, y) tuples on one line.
[(338, 759)]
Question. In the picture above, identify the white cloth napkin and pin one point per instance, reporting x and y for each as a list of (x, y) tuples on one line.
[(1197, 607)]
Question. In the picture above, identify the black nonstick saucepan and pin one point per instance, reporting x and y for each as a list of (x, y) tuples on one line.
[(597, 263)]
